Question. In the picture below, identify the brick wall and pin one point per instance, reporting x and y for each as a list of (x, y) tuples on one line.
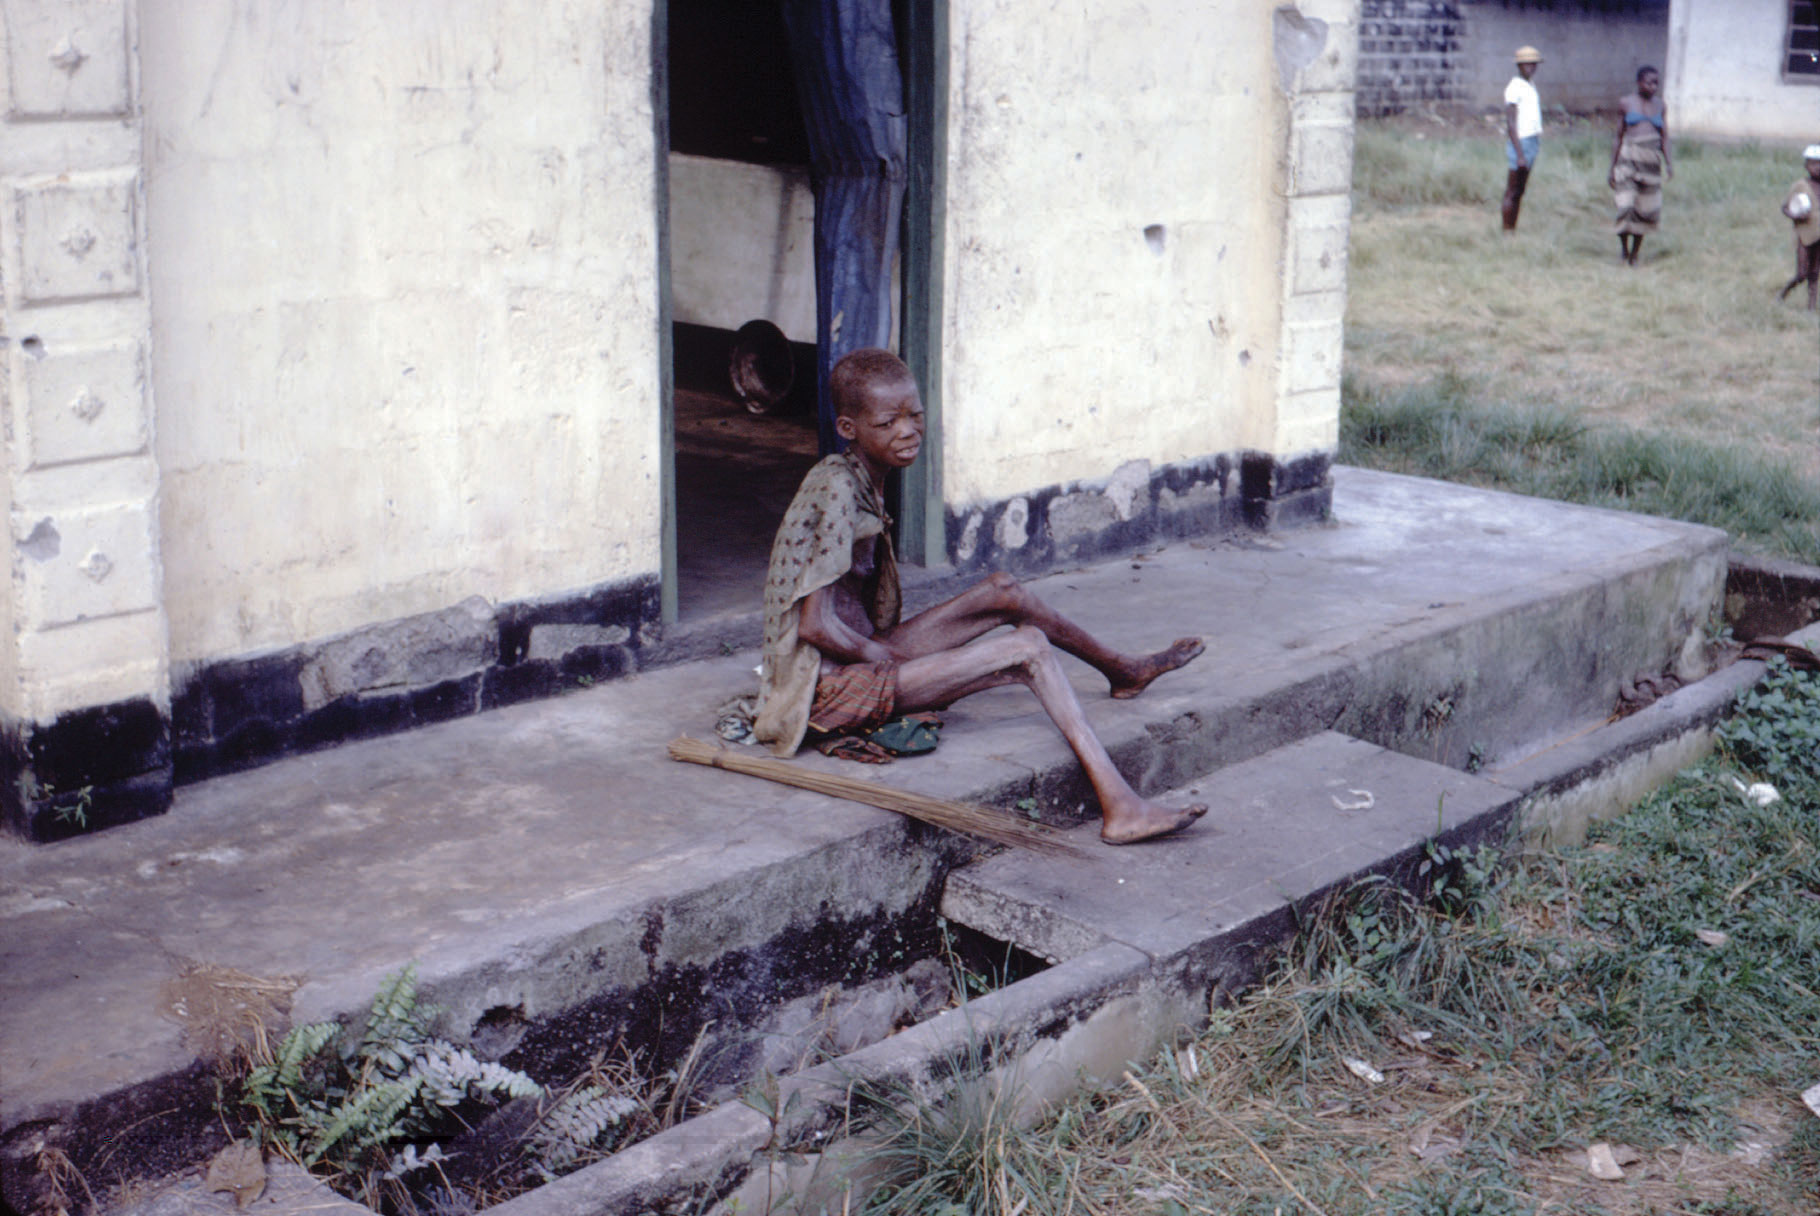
[(1409, 54)]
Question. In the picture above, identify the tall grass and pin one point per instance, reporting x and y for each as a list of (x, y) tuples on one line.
[(1448, 428), (1684, 369)]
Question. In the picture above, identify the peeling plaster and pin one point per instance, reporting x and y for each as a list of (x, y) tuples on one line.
[(1298, 42)]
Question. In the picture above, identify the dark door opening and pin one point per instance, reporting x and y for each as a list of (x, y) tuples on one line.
[(739, 227), (738, 252)]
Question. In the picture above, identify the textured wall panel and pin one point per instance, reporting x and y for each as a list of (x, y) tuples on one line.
[(77, 238), (66, 60), (81, 565), (83, 404)]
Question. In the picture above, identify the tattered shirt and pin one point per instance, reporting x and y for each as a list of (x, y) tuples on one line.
[(828, 531)]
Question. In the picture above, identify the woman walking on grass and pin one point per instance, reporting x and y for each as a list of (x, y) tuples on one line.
[(1639, 163)]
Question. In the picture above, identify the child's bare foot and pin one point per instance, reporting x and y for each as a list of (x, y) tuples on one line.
[(1148, 668), (1146, 820)]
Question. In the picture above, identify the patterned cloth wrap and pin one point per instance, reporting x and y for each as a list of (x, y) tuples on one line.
[(1638, 174), (857, 697), (836, 509)]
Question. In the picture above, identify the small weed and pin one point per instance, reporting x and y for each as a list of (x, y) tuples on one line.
[(962, 1153), (1776, 733), (71, 810), (1475, 758), (978, 963)]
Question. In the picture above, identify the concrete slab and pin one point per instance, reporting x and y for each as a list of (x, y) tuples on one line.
[(552, 874), (1282, 826)]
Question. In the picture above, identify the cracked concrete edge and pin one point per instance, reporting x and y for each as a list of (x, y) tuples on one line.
[(708, 1154), (1602, 773)]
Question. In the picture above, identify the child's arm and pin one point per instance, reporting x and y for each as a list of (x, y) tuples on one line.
[(1617, 145)]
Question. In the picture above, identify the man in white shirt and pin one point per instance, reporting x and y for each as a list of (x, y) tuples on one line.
[(1523, 131)]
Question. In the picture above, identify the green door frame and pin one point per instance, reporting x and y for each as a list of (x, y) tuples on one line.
[(922, 529), (666, 342)]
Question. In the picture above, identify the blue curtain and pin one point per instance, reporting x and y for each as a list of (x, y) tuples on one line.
[(844, 53)]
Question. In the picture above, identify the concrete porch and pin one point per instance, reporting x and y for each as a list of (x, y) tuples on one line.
[(556, 878)]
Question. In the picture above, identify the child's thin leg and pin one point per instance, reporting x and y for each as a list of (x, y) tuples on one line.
[(999, 600), (1024, 656)]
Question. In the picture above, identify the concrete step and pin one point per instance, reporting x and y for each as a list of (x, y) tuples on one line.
[(1289, 824), (559, 883)]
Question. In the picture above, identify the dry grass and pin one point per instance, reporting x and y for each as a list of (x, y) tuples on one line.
[(1690, 343), (1465, 1052), (228, 1016)]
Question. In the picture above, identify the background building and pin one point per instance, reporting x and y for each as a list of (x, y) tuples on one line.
[(1745, 69), (1457, 53)]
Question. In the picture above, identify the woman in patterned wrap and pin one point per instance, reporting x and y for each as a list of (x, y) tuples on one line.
[(1639, 163)]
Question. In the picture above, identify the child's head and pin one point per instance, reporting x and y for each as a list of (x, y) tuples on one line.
[(862, 373), (1811, 155), (876, 408)]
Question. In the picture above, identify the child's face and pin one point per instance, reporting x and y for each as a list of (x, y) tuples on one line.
[(1813, 169), (888, 430)]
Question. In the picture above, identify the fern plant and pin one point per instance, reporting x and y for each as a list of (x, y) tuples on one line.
[(587, 1120), (396, 1083)]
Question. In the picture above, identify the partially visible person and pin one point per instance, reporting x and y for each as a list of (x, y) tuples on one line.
[(1640, 163), (1522, 131), (1803, 207)]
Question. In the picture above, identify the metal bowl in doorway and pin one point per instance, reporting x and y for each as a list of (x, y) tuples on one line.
[(761, 366)]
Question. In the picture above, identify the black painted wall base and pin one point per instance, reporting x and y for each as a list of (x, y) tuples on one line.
[(108, 765), (1033, 532), (95, 768), (243, 713)]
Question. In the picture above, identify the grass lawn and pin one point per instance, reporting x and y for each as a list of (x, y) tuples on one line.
[(1649, 1000), (1540, 363)]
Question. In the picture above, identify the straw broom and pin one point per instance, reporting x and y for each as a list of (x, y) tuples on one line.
[(968, 818)]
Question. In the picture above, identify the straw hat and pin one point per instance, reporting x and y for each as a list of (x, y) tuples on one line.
[(1811, 152), (1528, 54)]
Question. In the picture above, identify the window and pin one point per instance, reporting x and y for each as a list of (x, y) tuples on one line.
[(1803, 59)]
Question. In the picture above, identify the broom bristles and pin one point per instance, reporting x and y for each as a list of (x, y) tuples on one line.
[(968, 818)]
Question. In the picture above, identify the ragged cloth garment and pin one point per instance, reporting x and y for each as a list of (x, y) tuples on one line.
[(1637, 192), (836, 511)]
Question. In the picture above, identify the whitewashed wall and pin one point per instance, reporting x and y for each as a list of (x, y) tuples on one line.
[(1117, 234), (404, 265), (1724, 76)]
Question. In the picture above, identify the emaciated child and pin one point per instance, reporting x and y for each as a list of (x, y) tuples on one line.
[(837, 657)]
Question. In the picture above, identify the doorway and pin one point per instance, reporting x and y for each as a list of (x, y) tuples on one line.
[(738, 224)]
